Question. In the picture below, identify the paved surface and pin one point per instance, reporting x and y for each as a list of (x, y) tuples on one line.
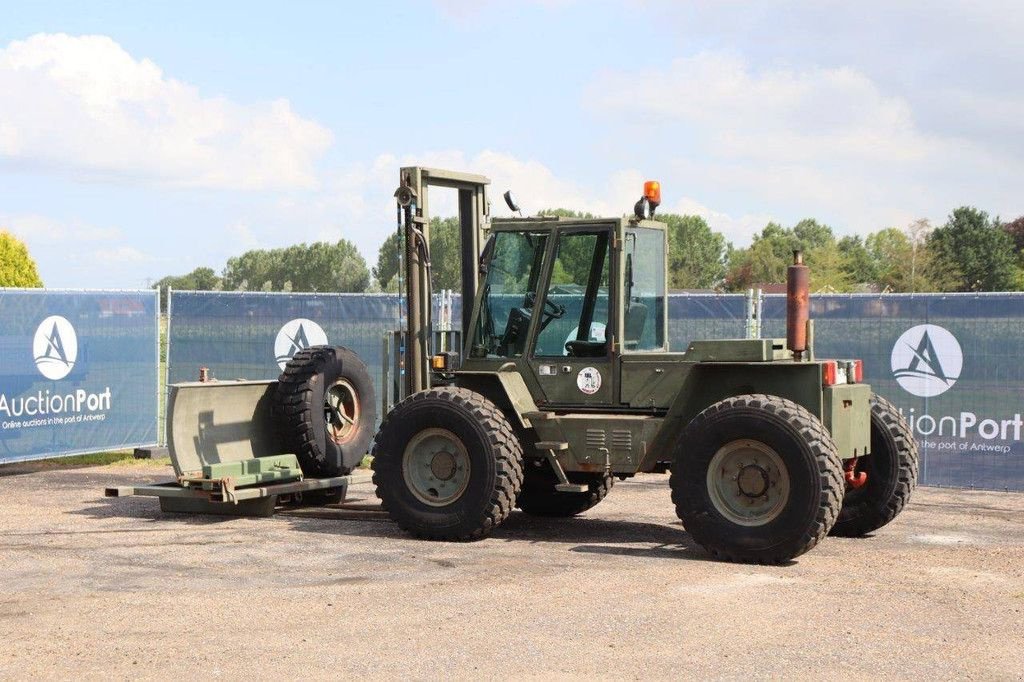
[(97, 588)]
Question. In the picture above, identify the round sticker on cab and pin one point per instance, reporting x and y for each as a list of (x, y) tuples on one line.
[(589, 380)]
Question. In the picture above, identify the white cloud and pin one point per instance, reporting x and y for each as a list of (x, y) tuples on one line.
[(772, 113), (38, 230), (118, 256), (82, 104), (358, 203), (75, 253), (794, 142)]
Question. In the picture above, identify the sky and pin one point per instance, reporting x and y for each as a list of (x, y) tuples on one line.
[(139, 140)]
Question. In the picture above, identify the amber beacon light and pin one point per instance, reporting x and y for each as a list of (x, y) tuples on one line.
[(652, 191)]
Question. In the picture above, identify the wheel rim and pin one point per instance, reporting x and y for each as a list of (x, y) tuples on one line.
[(341, 411), (748, 482), (436, 467)]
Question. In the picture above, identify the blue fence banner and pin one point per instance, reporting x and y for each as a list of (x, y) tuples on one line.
[(78, 372), (252, 335), (949, 362)]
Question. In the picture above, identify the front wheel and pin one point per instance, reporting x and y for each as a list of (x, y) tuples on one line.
[(756, 478), (447, 465), (891, 470)]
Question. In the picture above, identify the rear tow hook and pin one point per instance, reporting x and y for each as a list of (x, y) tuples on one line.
[(855, 479)]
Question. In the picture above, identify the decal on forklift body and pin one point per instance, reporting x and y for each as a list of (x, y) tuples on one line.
[(589, 380)]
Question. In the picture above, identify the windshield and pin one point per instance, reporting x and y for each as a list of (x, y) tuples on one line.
[(509, 294)]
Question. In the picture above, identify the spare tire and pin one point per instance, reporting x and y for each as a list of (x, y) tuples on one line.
[(326, 409)]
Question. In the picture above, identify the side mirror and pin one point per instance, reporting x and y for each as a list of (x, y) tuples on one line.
[(511, 203)]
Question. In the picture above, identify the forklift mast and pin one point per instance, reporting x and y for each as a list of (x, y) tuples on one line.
[(414, 225)]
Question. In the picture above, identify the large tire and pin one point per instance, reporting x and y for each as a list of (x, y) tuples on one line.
[(756, 478), (539, 497), (447, 465), (892, 474), (327, 410)]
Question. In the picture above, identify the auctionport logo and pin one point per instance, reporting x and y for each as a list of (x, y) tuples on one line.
[(297, 335), (55, 347), (927, 360), (55, 350)]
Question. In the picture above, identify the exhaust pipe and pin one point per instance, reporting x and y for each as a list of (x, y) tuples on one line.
[(798, 278)]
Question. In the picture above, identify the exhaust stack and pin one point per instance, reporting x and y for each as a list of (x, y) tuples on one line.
[(798, 279)]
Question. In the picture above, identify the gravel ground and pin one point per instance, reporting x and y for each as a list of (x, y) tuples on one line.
[(112, 588)]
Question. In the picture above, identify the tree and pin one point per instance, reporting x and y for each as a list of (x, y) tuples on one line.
[(830, 269), (445, 257), (1015, 228), (891, 250), (17, 269), (386, 270), (319, 266), (918, 232), (445, 254), (200, 279), (859, 264), (809, 234), (765, 261), (978, 248), (696, 253)]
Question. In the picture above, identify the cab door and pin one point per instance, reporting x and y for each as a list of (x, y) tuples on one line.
[(571, 354)]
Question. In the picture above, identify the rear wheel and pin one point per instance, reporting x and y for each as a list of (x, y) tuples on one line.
[(539, 497), (756, 478), (891, 469), (327, 410), (447, 465)]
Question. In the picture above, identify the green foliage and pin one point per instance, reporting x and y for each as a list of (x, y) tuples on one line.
[(319, 266), (859, 264), (200, 279), (445, 257), (829, 268), (445, 254), (978, 249), (809, 234), (891, 254), (17, 269), (696, 254), (575, 256), (567, 213), (766, 259), (386, 269)]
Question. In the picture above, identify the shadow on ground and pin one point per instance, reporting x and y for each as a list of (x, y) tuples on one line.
[(588, 534)]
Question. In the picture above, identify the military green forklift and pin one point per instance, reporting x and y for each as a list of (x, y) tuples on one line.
[(565, 382)]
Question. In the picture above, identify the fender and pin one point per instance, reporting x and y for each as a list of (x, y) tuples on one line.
[(709, 382)]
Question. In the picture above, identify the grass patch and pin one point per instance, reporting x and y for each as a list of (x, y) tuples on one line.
[(96, 459)]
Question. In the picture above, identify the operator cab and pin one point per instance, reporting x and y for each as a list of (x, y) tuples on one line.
[(564, 288)]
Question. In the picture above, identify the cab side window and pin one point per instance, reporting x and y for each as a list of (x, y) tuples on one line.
[(576, 306)]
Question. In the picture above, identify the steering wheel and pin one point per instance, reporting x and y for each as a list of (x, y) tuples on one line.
[(552, 312)]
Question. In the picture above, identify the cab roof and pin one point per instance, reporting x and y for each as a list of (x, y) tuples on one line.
[(550, 222)]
